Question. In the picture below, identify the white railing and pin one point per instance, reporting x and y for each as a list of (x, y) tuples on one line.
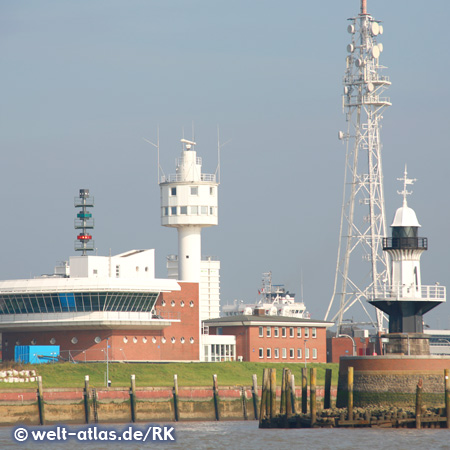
[(426, 293), (178, 177)]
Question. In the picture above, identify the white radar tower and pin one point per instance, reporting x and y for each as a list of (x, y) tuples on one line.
[(189, 203), (361, 265)]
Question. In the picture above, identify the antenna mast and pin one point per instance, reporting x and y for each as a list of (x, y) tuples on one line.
[(363, 220)]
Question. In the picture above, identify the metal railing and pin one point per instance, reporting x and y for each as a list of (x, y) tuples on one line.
[(178, 177), (405, 242), (424, 293)]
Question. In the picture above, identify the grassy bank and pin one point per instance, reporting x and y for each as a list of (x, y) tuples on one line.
[(68, 375)]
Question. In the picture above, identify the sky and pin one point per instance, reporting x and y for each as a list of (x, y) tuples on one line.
[(83, 82)]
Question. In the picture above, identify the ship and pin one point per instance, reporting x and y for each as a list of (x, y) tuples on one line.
[(274, 300)]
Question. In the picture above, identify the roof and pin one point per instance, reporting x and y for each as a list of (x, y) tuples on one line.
[(248, 320), (405, 217)]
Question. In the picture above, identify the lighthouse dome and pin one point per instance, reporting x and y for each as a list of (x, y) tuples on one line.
[(405, 217)]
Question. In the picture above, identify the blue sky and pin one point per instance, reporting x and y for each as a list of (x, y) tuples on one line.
[(84, 81)]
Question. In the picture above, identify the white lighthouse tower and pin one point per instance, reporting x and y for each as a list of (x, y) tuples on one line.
[(189, 203)]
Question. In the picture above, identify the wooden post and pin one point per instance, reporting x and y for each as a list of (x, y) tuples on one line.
[(447, 395), (288, 393), (244, 403), (304, 390), (350, 393), (255, 395), (95, 404), (133, 398), (327, 398), (216, 397), (40, 399), (419, 404), (312, 396), (175, 398), (86, 398), (263, 412), (273, 393), (292, 380), (283, 393)]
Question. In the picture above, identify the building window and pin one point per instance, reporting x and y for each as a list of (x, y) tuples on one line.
[(283, 332), (269, 353), (117, 271), (314, 353), (306, 332), (211, 191), (204, 210), (291, 332), (276, 352), (211, 211), (219, 331), (183, 209), (276, 332), (291, 353), (269, 331), (261, 353), (173, 191), (299, 353), (166, 210), (194, 190), (173, 210), (194, 209), (299, 332), (261, 331), (283, 353), (314, 332), (307, 353)]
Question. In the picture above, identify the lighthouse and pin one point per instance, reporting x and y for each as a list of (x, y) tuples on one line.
[(406, 300), (189, 203)]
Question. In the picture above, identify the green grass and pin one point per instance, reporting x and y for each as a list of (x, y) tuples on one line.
[(69, 375)]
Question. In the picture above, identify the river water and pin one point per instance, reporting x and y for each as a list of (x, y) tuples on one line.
[(245, 435)]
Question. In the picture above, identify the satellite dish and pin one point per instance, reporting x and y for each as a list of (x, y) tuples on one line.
[(359, 62), (370, 87), (340, 135), (380, 47), (351, 29), (381, 29), (375, 28), (345, 89), (98, 339), (375, 51), (350, 48)]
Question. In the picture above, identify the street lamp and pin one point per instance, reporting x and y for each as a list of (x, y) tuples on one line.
[(108, 383), (306, 340), (354, 343)]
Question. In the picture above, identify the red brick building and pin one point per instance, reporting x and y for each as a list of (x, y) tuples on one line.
[(274, 338)]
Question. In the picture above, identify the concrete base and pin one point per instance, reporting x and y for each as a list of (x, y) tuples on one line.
[(410, 344), (391, 380)]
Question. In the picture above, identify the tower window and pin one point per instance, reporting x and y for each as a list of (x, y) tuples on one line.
[(211, 191), (204, 210), (173, 191), (194, 190), (183, 209), (194, 209), (173, 210), (166, 210)]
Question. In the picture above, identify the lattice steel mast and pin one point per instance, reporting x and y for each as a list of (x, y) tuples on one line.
[(363, 223)]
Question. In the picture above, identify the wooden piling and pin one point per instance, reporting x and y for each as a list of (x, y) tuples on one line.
[(40, 399), (95, 405), (133, 398), (176, 411), (273, 393), (304, 390), (419, 404), (255, 395), (350, 393), (312, 395), (86, 398), (264, 411), (292, 380), (244, 403), (327, 396), (288, 393), (447, 395), (283, 393), (216, 397)]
